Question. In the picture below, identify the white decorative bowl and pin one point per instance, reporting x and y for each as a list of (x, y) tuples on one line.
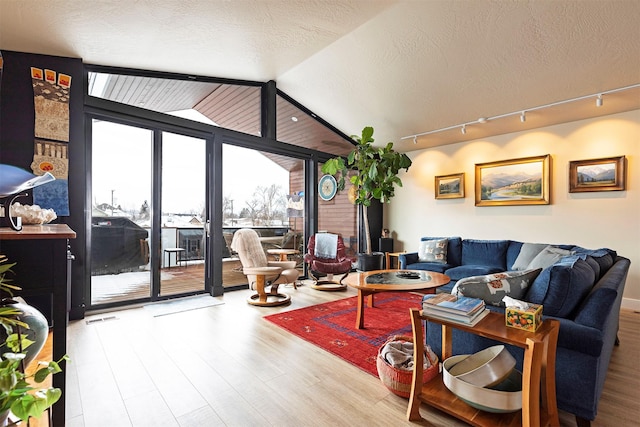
[(485, 368), (502, 398)]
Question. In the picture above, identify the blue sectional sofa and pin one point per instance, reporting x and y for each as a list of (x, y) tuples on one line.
[(582, 288)]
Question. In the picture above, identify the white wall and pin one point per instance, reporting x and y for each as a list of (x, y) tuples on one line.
[(592, 220)]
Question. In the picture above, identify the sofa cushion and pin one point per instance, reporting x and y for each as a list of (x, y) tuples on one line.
[(446, 288), (596, 307), (604, 257), (513, 250), (561, 287), (493, 287), (462, 271), (490, 253), (592, 263), (454, 248), (547, 257), (438, 267), (603, 299), (433, 251), (528, 252)]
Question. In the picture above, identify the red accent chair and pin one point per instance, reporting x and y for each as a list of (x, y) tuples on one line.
[(325, 265)]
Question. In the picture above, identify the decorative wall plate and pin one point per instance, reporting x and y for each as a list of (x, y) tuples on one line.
[(327, 187)]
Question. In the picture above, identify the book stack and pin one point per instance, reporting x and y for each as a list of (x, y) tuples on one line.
[(465, 310)]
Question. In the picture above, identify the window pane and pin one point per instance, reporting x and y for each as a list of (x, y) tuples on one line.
[(257, 192), (183, 214)]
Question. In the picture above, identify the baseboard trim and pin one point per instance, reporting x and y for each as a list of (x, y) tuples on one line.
[(631, 304)]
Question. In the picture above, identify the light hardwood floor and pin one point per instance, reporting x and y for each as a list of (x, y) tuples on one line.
[(226, 366)]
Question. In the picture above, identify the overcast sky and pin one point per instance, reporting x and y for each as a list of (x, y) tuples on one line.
[(122, 164)]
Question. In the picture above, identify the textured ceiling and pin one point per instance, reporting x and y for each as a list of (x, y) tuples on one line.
[(404, 67)]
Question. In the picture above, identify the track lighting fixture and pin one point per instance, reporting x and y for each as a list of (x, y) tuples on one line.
[(522, 113)]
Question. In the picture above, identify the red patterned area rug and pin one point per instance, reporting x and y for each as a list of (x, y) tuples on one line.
[(331, 326)]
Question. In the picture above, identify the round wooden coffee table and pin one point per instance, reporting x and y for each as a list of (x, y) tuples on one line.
[(369, 283)]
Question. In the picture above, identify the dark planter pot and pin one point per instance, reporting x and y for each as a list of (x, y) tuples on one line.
[(375, 261)]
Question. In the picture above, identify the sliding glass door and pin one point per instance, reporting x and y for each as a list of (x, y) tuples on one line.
[(137, 213), (121, 212), (183, 218)]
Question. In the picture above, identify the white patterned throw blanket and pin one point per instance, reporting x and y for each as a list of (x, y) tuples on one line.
[(326, 245)]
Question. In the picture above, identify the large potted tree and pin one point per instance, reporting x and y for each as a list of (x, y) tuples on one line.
[(373, 174)]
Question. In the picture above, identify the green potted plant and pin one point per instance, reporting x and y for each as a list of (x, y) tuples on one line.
[(18, 393), (373, 173)]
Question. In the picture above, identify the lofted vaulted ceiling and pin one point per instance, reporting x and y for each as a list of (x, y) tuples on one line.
[(404, 67)]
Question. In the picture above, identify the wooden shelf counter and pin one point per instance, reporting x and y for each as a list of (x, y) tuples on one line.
[(538, 376), (42, 262)]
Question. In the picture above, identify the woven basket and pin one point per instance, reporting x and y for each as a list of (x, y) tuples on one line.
[(398, 381)]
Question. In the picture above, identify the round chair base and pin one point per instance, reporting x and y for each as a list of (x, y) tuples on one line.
[(323, 285), (272, 300)]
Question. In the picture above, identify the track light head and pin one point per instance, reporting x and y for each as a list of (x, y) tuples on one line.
[(523, 117), (599, 100), (463, 129)]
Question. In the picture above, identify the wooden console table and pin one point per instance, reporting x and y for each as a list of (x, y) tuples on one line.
[(538, 376), (40, 254)]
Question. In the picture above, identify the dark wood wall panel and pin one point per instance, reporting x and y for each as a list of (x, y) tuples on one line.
[(16, 145)]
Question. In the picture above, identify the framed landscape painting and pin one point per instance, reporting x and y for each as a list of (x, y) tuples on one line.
[(597, 175), (523, 181), (450, 186)]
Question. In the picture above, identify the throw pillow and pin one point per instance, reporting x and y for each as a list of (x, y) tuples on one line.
[(433, 251), (528, 252), (493, 287), (561, 287), (547, 257)]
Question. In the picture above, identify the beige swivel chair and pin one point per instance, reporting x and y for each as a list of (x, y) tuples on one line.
[(260, 272)]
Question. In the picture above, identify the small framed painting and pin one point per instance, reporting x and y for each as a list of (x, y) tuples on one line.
[(597, 175), (522, 181), (450, 186)]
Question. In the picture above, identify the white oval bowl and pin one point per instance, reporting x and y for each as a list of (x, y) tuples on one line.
[(499, 399), (485, 368)]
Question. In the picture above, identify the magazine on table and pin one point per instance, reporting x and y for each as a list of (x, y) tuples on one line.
[(452, 304), (452, 314), (468, 321), (461, 317)]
